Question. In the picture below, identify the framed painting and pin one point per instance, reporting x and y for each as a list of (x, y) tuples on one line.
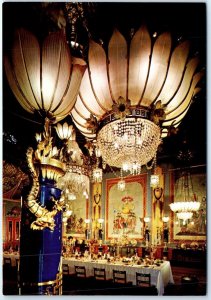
[(75, 223), (125, 209), (193, 229)]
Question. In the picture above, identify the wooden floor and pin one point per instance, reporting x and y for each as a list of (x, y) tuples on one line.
[(200, 288)]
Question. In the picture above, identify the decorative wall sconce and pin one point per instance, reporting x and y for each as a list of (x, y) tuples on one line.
[(146, 219), (97, 175), (154, 180), (165, 219), (87, 230), (146, 230), (100, 221)]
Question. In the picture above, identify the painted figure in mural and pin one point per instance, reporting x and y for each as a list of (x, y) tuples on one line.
[(125, 220), (79, 226), (71, 223), (199, 225), (74, 224)]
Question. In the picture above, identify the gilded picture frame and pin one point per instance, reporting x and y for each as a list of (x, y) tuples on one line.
[(125, 209)]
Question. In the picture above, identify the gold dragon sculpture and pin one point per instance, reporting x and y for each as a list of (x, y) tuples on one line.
[(42, 157)]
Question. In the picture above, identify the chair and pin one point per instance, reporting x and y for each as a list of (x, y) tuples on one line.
[(143, 279), (66, 276), (80, 271), (7, 268), (119, 277), (143, 284), (99, 274), (7, 261), (65, 269)]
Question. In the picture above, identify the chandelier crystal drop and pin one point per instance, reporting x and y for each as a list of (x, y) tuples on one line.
[(129, 143), (121, 185), (76, 180)]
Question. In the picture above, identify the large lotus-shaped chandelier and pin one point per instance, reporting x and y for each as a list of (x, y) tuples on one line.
[(44, 78), (186, 203), (131, 94)]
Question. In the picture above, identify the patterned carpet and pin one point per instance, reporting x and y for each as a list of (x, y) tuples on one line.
[(197, 287)]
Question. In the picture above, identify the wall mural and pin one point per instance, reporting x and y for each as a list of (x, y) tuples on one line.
[(195, 228), (125, 209), (75, 223)]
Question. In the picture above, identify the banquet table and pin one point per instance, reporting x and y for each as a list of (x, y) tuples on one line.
[(13, 256), (160, 275)]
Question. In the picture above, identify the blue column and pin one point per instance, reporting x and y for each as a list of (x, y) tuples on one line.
[(40, 250)]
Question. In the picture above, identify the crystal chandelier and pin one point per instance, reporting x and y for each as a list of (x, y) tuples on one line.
[(132, 94), (129, 143), (76, 179), (185, 209)]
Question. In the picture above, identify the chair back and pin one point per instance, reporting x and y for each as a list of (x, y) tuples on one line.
[(99, 274), (119, 276), (143, 279), (7, 261), (65, 269), (80, 271)]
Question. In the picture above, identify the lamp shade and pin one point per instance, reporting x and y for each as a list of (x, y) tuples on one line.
[(44, 78)]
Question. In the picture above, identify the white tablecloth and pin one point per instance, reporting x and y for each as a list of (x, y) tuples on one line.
[(13, 258), (160, 275)]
